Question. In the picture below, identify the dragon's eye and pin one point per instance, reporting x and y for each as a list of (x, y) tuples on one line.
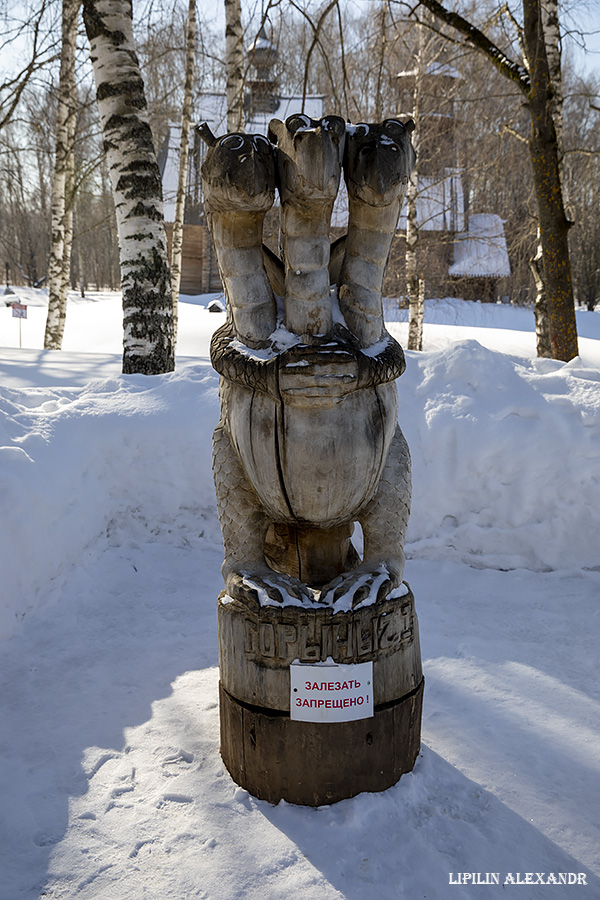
[(232, 142), (394, 128)]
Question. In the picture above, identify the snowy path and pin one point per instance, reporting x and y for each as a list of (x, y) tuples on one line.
[(113, 787), (111, 783)]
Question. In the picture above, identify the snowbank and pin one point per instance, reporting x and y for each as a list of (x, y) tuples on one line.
[(76, 464), (506, 458), (110, 776)]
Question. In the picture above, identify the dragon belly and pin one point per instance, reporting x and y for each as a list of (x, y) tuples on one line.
[(314, 465)]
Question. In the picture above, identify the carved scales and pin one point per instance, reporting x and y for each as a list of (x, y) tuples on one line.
[(308, 441)]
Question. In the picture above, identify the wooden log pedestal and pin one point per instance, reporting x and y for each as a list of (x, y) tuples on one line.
[(312, 763)]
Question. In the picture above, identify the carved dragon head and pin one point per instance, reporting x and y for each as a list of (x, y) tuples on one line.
[(378, 160), (309, 155), (238, 172)]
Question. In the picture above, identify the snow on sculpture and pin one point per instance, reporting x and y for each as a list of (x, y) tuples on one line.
[(308, 442)]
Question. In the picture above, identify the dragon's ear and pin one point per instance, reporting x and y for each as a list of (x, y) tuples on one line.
[(409, 125), (275, 130), (206, 134)]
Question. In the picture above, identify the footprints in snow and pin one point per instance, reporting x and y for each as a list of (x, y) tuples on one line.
[(113, 782), (173, 799), (175, 762)]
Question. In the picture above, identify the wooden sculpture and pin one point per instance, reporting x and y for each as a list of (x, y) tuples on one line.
[(308, 443)]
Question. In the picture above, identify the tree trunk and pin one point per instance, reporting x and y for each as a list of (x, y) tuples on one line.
[(545, 161), (184, 149), (70, 191), (62, 182), (413, 282), (148, 340), (551, 32), (540, 307), (234, 63), (554, 226), (415, 316), (381, 64)]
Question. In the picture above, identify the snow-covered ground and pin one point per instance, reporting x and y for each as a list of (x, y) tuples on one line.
[(111, 783)]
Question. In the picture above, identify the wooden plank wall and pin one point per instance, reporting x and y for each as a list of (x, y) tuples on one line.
[(199, 271)]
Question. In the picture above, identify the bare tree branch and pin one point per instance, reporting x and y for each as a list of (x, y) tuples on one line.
[(477, 39)]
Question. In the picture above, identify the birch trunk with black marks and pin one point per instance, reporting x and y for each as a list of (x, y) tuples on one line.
[(536, 85), (540, 302), (551, 29), (412, 240), (62, 182), (68, 248), (381, 63), (540, 307), (415, 316), (184, 150), (234, 64), (148, 338), (415, 311)]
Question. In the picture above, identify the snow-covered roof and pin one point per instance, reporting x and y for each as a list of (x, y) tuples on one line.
[(262, 42), (481, 251)]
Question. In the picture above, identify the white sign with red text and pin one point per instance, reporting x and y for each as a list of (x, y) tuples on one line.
[(331, 693), (19, 310)]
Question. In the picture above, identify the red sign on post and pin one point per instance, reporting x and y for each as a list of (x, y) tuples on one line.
[(19, 311)]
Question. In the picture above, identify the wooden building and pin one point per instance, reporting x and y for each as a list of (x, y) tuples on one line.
[(460, 252)]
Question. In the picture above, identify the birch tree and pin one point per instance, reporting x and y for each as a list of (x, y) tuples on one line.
[(62, 182), (184, 149), (551, 32), (414, 285), (534, 81), (42, 51), (234, 64), (148, 336), (381, 39), (415, 315)]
